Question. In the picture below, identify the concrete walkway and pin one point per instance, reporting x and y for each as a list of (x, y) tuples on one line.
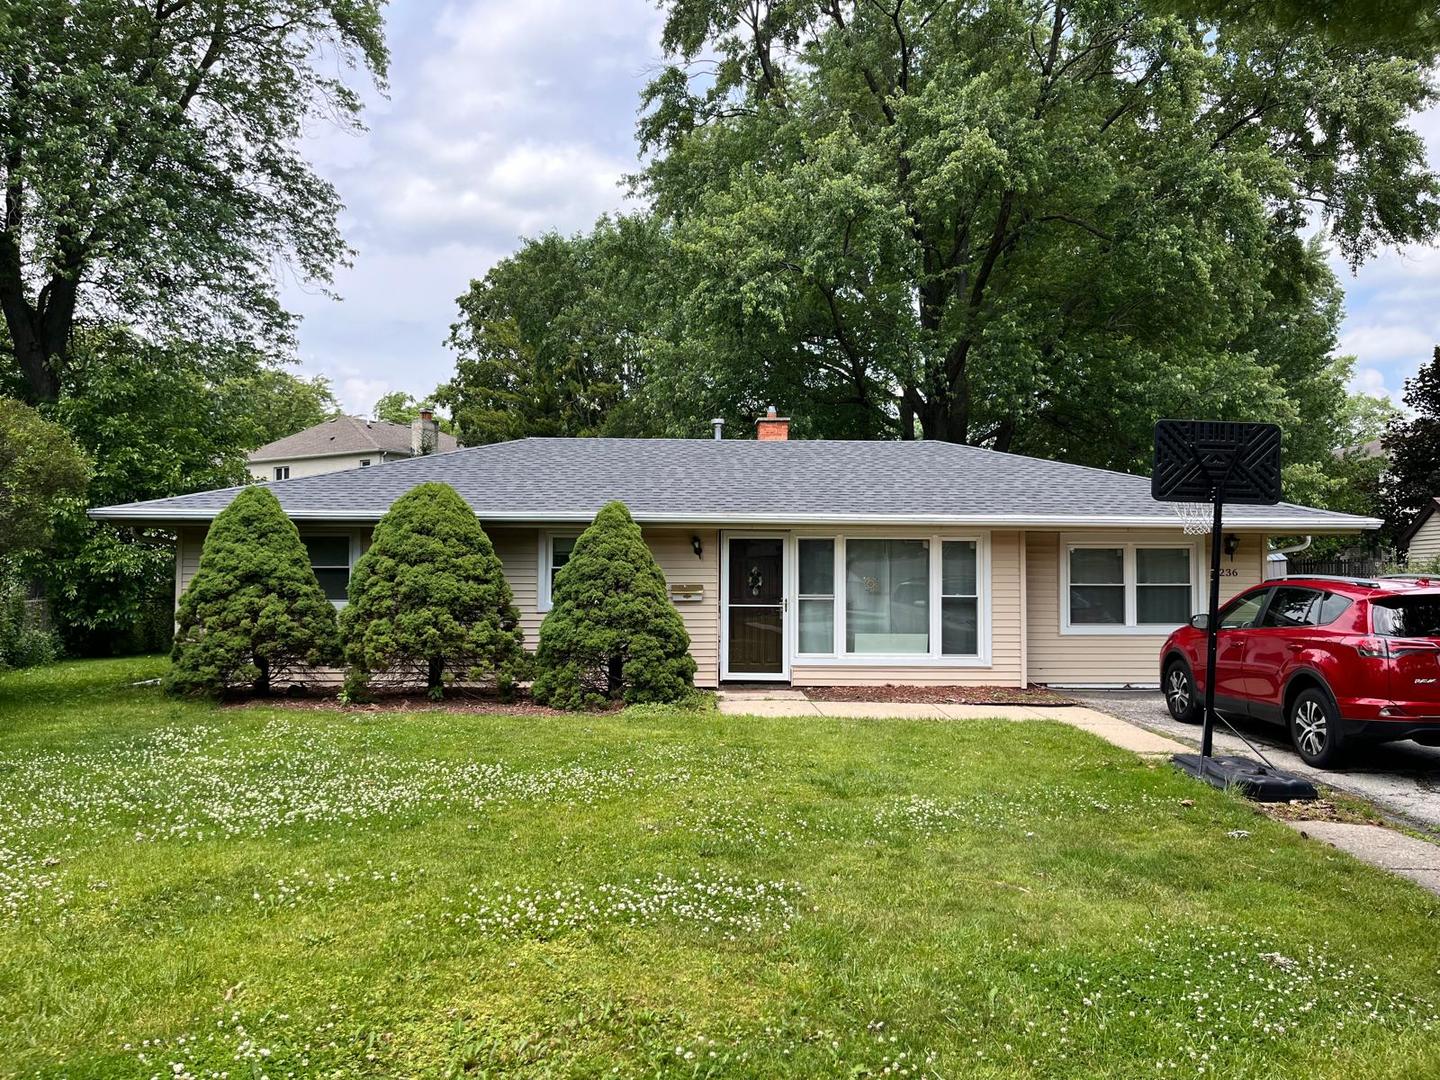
[(1390, 850), (1112, 729)]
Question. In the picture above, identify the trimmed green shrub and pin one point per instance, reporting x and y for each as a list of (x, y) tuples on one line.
[(429, 602), (612, 632), (254, 614)]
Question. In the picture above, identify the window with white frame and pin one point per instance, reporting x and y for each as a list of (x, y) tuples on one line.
[(330, 559), (555, 549), (901, 597), (959, 598), (887, 597), (816, 595), (1112, 588), (281, 472)]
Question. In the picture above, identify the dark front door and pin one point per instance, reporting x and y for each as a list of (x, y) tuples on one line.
[(755, 603)]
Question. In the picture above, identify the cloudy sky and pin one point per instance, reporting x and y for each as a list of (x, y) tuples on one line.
[(505, 119)]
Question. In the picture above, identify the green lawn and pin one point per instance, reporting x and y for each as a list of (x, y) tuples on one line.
[(191, 891)]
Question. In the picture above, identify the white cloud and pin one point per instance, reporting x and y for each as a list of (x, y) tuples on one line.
[(1388, 342), (1369, 380), (503, 121)]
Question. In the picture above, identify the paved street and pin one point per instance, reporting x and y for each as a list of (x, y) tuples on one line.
[(1403, 778)]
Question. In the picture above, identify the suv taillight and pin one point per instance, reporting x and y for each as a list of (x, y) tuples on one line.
[(1374, 648)]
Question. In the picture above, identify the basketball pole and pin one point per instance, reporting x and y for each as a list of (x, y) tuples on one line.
[(1212, 630)]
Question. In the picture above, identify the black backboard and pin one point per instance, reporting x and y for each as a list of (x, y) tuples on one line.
[(1194, 458)]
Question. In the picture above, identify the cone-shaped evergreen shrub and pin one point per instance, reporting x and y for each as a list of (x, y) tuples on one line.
[(612, 631), (429, 602), (254, 614)]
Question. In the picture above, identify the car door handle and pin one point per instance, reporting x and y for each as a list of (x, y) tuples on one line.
[(1294, 646)]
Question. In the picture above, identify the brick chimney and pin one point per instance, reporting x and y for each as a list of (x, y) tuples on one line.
[(772, 428), (424, 434)]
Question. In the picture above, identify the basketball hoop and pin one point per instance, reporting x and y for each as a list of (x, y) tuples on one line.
[(1195, 518)]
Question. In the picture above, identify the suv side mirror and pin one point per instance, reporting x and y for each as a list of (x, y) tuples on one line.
[(1201, 621)]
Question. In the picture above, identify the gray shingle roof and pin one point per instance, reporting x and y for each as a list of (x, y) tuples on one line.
[(345, 435), (735, 482)]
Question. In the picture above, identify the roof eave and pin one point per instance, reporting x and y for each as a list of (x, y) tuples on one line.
[(1270, 522), (326, 454)]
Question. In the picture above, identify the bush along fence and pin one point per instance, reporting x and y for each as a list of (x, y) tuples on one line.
[(428, 607)]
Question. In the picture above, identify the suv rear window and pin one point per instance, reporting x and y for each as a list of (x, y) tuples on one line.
[(1407, 616)]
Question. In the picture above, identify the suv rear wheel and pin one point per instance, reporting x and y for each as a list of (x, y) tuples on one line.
[(1180, 695), (1315, 729)]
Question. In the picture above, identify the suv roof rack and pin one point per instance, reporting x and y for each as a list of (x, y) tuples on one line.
[(1366, 582)]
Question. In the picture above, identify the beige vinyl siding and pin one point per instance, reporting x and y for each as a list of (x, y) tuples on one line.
[(1007, 644), (1425, 544), (188, 544), (519, 551), (676, 556), (1117, 659)]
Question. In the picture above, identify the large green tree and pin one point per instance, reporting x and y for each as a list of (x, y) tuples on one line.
[(553, 340), (276, 402), (1033, 226), (40, 467), (1412, 445), (148, 155), (398, 407), (155, 420)]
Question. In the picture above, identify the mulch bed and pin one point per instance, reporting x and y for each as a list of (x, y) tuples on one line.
[(318, 699), (938, 695)]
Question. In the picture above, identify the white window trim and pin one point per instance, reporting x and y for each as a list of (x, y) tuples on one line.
[(1128, 549), (543, 600), (934, 657), (276, 470)]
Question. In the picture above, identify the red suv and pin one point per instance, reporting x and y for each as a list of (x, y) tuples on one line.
[(1335, 660)]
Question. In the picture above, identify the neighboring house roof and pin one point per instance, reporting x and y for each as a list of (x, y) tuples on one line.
[(1372, 449), (345, 435), (738, 482), (1403, 540)]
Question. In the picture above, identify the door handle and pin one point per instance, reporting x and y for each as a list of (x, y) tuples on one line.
[(1294, 646)]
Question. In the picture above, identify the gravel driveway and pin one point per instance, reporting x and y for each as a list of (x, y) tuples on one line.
[(1401, 778)]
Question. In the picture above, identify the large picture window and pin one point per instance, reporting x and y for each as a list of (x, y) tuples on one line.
[(1118, 588), (887, 597), (916, 599)]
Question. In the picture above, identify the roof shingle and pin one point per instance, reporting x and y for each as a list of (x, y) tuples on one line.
[(736, 482), (345, 435)]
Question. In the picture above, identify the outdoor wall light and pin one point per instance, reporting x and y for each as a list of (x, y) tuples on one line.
[(699, 548), (1232, 545)]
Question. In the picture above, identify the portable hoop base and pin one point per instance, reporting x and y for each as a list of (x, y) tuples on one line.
[(1250, 778), (1199, 465)]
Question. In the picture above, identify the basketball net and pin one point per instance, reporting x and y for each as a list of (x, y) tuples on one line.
[(1195, 518)]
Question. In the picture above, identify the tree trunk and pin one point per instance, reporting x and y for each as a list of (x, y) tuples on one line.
[(262, 680), (615, 676), (435, 676)]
